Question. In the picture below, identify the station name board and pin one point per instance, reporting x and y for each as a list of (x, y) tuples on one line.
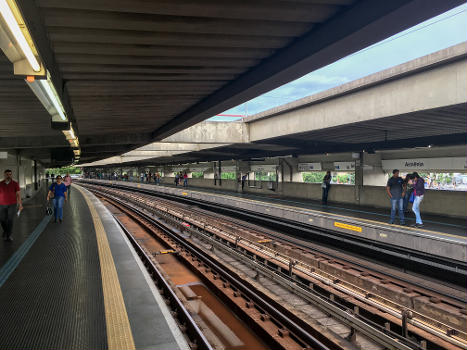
[(309, 166), (447, 163)]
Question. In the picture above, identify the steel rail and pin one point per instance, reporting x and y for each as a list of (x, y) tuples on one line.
[(357, 326), (191, 328), (267, 305)]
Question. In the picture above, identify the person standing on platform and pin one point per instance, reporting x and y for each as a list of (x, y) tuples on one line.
[(10, 199), (57, 191), (419, 192), (185, 179), (395, 190), (408, 190), (67, 182), (326, 185)]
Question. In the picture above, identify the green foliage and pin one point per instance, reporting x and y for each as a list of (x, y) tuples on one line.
[(313, 177), (64, 170), (338, 178), (197, 175), (228, 176)]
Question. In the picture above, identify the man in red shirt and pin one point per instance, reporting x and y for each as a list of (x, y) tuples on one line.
[(10, 197)]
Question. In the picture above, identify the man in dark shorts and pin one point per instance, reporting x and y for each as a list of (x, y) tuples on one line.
[(395, 191), (10, 199)]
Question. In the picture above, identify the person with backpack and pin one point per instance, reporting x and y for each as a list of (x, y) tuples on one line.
[(58, 193), (419, 192)]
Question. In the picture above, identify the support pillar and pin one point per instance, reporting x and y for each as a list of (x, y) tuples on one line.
[(358, 178)]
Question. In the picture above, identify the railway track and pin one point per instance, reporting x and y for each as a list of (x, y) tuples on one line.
[(274, 324), (407, 314)]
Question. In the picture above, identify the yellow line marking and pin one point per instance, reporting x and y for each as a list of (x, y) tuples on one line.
[(347, 226), (185, 193), (119, 335)]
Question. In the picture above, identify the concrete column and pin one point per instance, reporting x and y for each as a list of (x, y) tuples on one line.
[(238, 176), (358, 178), (220, 173), (373, 173), (35, 176)]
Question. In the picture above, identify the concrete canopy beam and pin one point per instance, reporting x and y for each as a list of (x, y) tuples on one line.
[(434, 90), (212, 132), (363, 24)]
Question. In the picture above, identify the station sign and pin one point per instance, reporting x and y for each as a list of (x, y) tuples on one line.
[(228, 169), (263, 168), (198, 169), (309, 166), (447, 163), (344, 166)]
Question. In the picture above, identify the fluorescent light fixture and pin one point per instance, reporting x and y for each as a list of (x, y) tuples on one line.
[(13, 25), (72, 133), (46, 93), (48, 86)]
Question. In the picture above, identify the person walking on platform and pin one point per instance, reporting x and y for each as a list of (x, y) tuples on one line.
[(419, 192), (395, 190), (326, 185), (57, 191), (67, 182), (10, 199)]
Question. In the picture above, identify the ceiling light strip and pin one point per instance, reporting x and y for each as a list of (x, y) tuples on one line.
[(13, 25)]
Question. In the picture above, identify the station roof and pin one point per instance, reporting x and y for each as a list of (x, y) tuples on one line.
[(133, 72), (417, 103)]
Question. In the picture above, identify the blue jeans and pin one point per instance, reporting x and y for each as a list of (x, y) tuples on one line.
[(324, 198), (58, 207), (416, 209), (406, 199), (185, 182), (394, 204)]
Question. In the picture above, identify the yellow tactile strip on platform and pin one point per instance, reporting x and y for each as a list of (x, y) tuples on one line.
[(119, 335)]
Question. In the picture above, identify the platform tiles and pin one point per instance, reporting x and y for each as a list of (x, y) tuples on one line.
[(80, 285), (425, 241)]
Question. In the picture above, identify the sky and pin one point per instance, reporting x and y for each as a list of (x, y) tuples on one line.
[(437, 33)]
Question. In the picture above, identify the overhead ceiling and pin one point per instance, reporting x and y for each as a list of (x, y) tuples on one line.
[(132, 72)]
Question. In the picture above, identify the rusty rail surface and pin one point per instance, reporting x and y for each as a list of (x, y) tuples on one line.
[(326, 273)]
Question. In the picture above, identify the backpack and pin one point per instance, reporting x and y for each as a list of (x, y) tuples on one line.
[(53, 190)]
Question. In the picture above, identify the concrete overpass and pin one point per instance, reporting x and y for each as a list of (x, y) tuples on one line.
[(417, 103)]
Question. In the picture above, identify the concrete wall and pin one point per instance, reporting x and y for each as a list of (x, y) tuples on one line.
[(447, 203)]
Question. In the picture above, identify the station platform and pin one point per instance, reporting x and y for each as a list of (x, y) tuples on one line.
[(78, 284), (441, 236)]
